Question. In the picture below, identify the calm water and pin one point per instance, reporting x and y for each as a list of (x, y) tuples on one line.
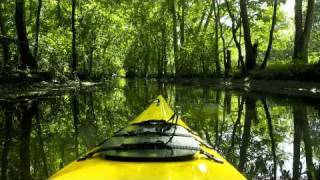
[(263, 136)]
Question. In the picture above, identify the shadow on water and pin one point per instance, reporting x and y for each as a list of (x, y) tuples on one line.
[(263, 136)]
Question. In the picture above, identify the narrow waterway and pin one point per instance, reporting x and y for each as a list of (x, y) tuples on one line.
[(262, 136)]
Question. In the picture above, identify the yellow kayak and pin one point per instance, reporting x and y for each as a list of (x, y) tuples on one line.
[(157, 145)]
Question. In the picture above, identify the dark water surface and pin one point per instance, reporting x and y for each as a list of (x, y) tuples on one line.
[(263, 136)]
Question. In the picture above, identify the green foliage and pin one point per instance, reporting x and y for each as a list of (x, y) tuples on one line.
[(135, 38)]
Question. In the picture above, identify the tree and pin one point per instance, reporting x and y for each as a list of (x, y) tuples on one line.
[(182, 21), (36, 44), (175, 35), (234, 28), (73, 29), (227, 64), (302, 32), (27, 59), (58, 12), (3, 38), (274, 20), (251, 49), (216, 36)]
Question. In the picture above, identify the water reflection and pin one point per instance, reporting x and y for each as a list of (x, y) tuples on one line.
[(263, 136)]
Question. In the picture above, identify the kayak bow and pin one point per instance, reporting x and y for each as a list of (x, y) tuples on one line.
[(156, 145)]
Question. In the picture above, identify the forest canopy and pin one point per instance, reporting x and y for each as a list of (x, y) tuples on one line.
[(164, 38)]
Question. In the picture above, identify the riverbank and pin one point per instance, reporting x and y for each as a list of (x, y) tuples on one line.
[(21, 84), (285, 72), (41, 89), (272, 87)]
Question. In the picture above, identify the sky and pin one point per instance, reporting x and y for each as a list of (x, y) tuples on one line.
[(288, 7)]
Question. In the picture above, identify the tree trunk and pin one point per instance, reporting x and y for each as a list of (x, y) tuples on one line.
[(73, 29), (240, 56), (209, 16), (182, 20), (201, 21), (59, 15), (302, 33), (269, 48), (216, 37), (4, 41), (27, 59), (175, 36), (250, 49), (90, 60), (223, 39), (227, 66), (234, 29), (36, 44), (164, 51)]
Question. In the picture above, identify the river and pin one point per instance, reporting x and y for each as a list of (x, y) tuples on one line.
[(262, 135)]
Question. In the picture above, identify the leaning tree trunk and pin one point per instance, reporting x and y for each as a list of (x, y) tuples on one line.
[(27, 59), (234, 29), (302, 34), (274, 20), (249, 48)]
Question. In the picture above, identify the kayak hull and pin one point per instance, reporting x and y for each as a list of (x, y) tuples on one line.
[(99, 169), (205, 164)]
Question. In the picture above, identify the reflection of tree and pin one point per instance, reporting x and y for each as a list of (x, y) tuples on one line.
[(250, 115), (75, 114), (216, 120), (41, 144), (235, 126), (228, 102), (273, 144), (6, 143), (301, 130), (298, 120), (28, 112), (204, 109), (91, 107), (308, 149)]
